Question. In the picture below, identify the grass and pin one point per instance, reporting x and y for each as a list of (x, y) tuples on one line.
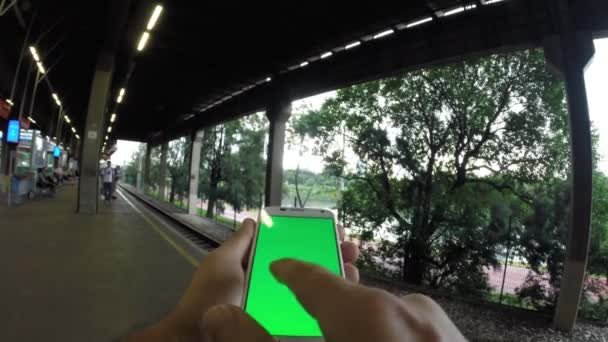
[(510, 300), (220, 219)]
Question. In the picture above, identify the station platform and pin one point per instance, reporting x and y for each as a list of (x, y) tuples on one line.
[(70, 277)]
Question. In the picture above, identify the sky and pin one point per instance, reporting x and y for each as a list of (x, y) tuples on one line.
[(596, 77)]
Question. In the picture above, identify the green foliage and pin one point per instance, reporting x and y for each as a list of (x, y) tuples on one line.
[(444, 157)]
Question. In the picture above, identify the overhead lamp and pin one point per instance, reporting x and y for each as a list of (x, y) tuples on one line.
[(77, 136), (113, 117), (40, 67), (10, 102), (384, 33), (352, 45), (268, 79), (303, 64), (154, 18), (31, 120), (419, 22), (326, 54), (56, 99), (73, 130), (109, 129), (122, 92), (143, 41), (67, 119), (34, 53), (106, 137)]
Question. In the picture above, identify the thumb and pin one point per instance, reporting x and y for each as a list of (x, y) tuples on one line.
[(227, 323)]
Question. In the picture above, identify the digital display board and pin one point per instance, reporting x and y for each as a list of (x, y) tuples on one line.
[(13, 131), (56, 152)]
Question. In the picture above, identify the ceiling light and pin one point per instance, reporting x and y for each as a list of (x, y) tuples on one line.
[(155, 15), (352, 45), (67, 118), (419, 22), (384, 33), (119, 99), (40, 67), (303, 64), (327, 54), (268, 79), (113, 118), (77, 136), (458, 10), (73, 129), (10, 102), (110, 129), (31, 120), (189, 116), (55, 97), (34, 54), (143, 41), (106, 137), (122, 92)]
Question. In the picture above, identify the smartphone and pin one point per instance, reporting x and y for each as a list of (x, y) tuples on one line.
[(305, 234)]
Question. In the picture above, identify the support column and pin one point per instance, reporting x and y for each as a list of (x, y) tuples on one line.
[(88, 190), (139, 180), (569, 55), (147, 168), (277, 113), (162, 187), (195, 165)]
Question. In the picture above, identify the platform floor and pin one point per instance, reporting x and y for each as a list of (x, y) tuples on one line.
[(70, 277)]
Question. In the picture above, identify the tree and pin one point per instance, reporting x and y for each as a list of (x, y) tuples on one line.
[(439, 153), (178, 167)]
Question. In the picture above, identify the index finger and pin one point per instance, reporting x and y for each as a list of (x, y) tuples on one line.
[(318, 290)]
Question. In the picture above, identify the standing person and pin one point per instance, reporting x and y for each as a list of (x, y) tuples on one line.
[(107, 176), (117, 176)]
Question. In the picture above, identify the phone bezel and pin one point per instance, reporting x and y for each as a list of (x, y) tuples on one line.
[(292, 212)]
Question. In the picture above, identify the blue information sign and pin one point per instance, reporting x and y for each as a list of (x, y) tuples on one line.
[(12, 135), (56, 152)]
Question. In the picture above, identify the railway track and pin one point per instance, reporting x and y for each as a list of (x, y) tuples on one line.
[(198, 238)]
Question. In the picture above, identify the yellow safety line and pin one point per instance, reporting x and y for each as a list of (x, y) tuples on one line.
[(192, 260)]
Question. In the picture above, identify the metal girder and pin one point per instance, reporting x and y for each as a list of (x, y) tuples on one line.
[(5, 7)]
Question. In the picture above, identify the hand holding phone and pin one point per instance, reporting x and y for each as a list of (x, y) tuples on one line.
[(309, 235)]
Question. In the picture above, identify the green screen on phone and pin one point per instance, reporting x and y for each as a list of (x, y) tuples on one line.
[(271, 303)]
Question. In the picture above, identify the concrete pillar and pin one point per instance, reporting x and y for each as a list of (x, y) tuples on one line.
[(92, 136), (139, 181), (195, 165), (277, 113), (88, 187), (147, 161), (569, 55), (162, 187)]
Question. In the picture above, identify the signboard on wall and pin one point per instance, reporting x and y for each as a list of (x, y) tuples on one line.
[(5, 109), (13, 131)]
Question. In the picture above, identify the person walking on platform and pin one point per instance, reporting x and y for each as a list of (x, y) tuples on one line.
[(117, 176), (107, 176)]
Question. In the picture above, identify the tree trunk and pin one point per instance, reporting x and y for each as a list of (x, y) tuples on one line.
[(212, 199), (414, 266), (172, 194)]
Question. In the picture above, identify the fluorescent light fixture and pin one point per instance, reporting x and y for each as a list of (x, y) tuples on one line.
[(154, 18), (303, 64), (143, 41), (326, 54), (113, 118), (31, 120), (40, 67), (119, 99), (73, 129), (384, 33), (110, 129), (77, 136), (121, 92), (10, 102), (189, 116), (34, 53), (55, 97), (352, 45), (106, 137), (419, 22), (459, 10), (67, 118), (489, 2), (268, 79)]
